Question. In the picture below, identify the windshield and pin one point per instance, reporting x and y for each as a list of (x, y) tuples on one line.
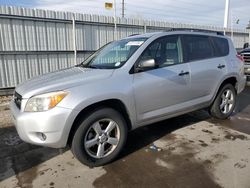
[(114, 54)]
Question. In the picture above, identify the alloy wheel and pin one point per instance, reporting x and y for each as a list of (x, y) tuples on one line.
[(227, 101), (102, 138)]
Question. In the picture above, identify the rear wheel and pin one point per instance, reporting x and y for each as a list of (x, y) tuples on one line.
[(224, 103), (100, 137)]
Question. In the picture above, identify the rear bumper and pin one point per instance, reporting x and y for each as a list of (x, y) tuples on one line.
[(241, 84), (55, 124), (247, 72)]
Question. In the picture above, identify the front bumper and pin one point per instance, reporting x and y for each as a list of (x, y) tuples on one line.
[(55, 124)]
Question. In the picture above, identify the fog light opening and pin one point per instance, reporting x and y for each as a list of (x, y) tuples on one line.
[(42, 136)]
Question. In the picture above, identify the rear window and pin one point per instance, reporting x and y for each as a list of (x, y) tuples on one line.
[(198, 47), (221, 45)]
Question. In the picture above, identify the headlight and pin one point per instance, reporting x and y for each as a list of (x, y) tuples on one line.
[(44, 102)]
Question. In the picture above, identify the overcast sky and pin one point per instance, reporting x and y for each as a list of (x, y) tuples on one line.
[(202, 12)]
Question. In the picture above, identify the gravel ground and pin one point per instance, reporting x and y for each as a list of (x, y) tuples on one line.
[(4, 101), (5, 117)]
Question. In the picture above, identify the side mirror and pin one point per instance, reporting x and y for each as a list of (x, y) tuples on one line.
[(146, 64), (246, 45)]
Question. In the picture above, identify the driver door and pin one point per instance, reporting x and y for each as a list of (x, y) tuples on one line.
[(163, 89)]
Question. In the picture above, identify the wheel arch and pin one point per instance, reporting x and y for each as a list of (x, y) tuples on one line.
[(229, 80), (115, 104)]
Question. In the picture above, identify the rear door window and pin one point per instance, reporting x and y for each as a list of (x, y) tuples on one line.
[(198, 47)]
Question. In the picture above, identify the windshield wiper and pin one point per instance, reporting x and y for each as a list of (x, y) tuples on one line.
[(93, 67), (88, 66)]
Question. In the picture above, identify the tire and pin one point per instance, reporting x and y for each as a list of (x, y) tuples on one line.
[(91, 143), (223, 106)]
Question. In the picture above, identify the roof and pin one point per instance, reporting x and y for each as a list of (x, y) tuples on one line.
[(178, 31), (146, 35)]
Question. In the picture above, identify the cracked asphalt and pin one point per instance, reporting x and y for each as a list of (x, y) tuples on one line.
[(193, 150)]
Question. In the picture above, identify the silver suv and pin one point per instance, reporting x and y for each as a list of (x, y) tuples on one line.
[(126, 84)]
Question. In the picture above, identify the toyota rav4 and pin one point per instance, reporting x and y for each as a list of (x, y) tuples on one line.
[(126, 84)]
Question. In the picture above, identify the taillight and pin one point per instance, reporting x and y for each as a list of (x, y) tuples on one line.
[(240, 57)]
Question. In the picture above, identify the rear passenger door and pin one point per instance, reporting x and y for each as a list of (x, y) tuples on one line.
[(206, 65)]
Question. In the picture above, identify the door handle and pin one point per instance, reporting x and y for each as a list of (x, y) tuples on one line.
[(221, 66), (182, 73)]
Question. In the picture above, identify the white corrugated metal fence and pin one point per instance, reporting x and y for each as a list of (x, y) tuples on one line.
[(34, 42)]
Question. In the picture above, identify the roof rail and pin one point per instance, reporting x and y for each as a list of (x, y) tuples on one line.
[(133, 35), (195, 30)]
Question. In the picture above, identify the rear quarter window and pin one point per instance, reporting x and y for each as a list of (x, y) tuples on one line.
[(221, 46), (198, 47)]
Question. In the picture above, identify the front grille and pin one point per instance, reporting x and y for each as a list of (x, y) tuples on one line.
[(246, 57), (17, 99)]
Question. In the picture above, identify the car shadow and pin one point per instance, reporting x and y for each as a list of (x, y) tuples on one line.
[(146, 135), (243, 100)]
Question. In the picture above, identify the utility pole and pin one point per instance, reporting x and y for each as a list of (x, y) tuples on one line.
[(232, 26), (248, 29), (74, 38), (115, 21), (123, 9), (226, 16)]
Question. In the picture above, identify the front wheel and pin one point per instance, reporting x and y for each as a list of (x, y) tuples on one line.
[(100, 137), (224, 103)]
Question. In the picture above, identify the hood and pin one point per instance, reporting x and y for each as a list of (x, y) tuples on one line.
[(61, 80), (245, 50)]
